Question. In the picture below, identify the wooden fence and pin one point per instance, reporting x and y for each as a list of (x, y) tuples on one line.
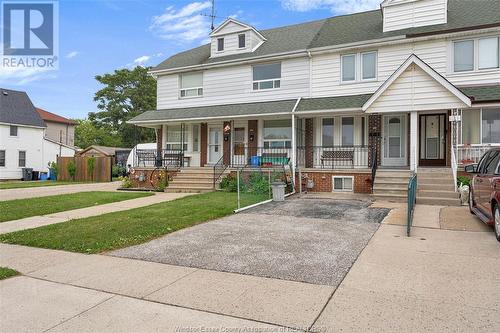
[(102, 169)]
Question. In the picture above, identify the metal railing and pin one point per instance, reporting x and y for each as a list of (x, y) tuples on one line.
[(219, 169), (374, 161), (260, 156), (470, 154), (412, 200), (167, 158), (335, 157)]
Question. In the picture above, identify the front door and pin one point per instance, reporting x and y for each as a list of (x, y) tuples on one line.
[(394, 148), (239, 153), (433, 140), (214, 144)]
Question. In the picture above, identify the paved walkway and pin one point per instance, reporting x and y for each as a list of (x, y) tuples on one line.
[(39, 221), (437, 280), (33, 192)]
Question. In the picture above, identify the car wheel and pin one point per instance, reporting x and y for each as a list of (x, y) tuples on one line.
[(496, 214), (471, 200)]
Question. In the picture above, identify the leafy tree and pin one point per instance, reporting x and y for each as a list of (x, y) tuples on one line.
[(126, 94), (87, 133), (71, 169)]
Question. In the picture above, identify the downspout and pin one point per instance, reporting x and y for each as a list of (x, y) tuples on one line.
[(294, 143), (309, 55)]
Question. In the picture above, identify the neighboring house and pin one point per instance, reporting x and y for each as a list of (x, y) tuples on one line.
[(58, 128), (415, 83), (119, 155), (22, 137)]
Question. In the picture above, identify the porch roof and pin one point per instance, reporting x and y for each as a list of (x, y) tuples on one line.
[(482, 94), (215, 111), (332, 103)]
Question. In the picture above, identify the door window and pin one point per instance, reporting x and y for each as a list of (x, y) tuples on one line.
[(239, 141), (394, 137)]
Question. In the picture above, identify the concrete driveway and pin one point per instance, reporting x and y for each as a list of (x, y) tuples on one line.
[(304, 240)]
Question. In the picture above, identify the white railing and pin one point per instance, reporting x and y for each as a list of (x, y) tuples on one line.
[(470, 154), (454, 167)]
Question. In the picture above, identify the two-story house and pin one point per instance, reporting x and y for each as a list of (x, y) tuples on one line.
[(413, 84), (58, 128)]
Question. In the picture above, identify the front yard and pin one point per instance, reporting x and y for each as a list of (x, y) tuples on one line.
[(37, 183), (21, 208), (121, 229)]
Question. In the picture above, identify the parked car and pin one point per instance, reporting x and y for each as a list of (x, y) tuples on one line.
[(484, 193)]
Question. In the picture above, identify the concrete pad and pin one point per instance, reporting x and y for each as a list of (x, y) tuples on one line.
[(397, 215), (426, 216), (28, 259), (122, 314), (459, 218), (122, 276), (353, 310), (31, 305), (274, 301), (29, 223)]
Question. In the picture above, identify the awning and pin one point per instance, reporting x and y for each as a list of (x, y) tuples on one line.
[(483, 94), (337, 103), (201, 113)]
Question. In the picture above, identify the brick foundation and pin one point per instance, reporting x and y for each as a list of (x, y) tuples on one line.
[(149, 183), (323, 181)]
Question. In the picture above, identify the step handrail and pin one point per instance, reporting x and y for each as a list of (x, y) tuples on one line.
[(412, 201)]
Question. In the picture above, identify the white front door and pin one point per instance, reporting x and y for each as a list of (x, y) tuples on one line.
[(214, 144), (394, 146)]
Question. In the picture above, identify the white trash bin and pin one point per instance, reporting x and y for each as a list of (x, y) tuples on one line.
[(278, 191)]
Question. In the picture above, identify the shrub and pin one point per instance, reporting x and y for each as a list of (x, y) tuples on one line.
[(118, 171), (126, 182), (91, 167), (54, 168), (463, 180), (258, 183), (71, 169), (162, 182), (230, 184)]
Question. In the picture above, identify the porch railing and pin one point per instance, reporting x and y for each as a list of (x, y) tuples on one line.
[(335, 157), (167, 158), (260, 157), (470, 154), (412, 200)]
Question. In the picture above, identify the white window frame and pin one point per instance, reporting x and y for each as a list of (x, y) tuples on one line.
[(264, 140), (223, 44), (19, 158), (498, 52), (481, 143), (476, 69), (358, 67), (186, 138), (4, 158), (343, 187), (244, 41), (198, 89), (275, 80)]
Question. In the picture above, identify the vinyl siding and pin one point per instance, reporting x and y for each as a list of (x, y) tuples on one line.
[(415, 14), (234, 85)]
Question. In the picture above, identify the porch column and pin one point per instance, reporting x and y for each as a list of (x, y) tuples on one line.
[(226, 144), (413, 141), (203, 144), (309, 142), (374, 136), (159, 146)]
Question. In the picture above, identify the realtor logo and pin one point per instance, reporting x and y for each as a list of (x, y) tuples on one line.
[(30, 32)]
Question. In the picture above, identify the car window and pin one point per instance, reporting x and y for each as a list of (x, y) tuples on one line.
[(491, 163), (482, 162)]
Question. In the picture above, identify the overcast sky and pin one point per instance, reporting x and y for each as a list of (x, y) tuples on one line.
[(99, 36)]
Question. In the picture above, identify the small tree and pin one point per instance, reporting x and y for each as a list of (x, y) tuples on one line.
[(72, 169), (53, 167), (91, 167)]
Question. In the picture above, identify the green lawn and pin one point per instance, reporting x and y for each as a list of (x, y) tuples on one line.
[(38, 183), (126, 228), (21, 208), (6, 272)]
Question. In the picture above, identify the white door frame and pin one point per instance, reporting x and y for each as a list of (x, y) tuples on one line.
[(219, 129), (392, 161)]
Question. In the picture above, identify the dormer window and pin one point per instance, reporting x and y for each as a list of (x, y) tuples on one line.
[(266, 76), (220, 44), (191, 85), (241, 41)]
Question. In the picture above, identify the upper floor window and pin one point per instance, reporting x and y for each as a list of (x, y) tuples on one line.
[(266, 76), (359, 66), (191, 85), (476, 54), (13, 130), (220, 44), (241, 41), (2, 158)]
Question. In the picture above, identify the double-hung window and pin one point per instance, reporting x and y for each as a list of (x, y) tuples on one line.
[(176, 138), (13, 130), (278, 133), (266, 76), (359, 67), (2, 158), (22, 158), (241, 41), (327, 130), (476, 54), (191, 85), (220, 44)]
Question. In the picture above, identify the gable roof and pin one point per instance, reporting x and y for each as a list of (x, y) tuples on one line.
[(413, 59), (108, 151), (17, 108), (49, 116), (232, 20), (346, 29)]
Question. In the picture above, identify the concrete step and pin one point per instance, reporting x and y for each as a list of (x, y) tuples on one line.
[(384, 180), (444, 181), (389, 186), (438, 201), (390, 191), (436, 187), (383, 174), (389, 197), (191, 182), (188, 190), (437, 194)]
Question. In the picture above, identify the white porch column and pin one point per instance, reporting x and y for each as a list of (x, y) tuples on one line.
[(294, 148), (413, 141)]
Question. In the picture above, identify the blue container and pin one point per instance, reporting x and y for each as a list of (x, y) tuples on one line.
[(255, 160), (43, 176)]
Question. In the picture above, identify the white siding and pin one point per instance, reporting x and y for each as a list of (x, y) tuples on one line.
[(414, 14), (234, 85), (415, 90), (230, 34)]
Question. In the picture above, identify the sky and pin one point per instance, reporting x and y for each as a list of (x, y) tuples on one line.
[(100, 36)]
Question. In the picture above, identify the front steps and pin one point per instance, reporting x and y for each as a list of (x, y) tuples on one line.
[(391, 185), (435, 187), (192, 180)]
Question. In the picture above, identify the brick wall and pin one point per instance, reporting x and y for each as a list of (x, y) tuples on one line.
[(309, 142), (149, 182), (203, 144), (323, 181)]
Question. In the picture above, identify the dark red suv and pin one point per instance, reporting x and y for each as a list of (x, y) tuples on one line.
[(484, 194)]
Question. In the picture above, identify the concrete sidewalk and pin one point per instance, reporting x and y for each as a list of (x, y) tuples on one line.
[(33, 192), (38, 221)]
